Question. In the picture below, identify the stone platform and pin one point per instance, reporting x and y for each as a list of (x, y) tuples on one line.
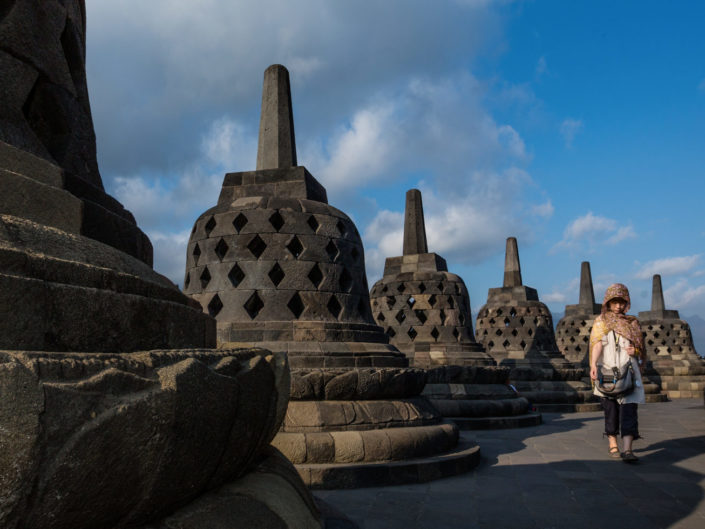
[(557, 475)]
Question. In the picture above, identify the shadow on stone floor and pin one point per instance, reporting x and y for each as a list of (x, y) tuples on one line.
[(664, 490)]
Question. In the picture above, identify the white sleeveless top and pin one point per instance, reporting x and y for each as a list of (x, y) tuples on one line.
[(612, 358)]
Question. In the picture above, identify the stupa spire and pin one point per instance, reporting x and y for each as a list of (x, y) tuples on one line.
[(512, 268), (657, 302), (276, 148), (587, 293), (414, 226)]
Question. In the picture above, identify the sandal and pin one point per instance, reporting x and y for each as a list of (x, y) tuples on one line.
[(614, 452), (629, 457)]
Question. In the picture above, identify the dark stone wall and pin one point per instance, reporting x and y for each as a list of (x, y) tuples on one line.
[(44, 110)]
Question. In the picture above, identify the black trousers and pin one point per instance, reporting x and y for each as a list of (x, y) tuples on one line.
[(620, 417)]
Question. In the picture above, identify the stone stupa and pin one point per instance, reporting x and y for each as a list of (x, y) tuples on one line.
[(516, 328), (425, 309), (113, 411), (573, 330), (426, 312), (673, 362), (280, 268)]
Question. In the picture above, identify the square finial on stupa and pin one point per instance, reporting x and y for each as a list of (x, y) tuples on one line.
[(277, 173)]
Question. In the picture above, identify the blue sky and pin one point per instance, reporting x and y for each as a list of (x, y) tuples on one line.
[(578, 127)]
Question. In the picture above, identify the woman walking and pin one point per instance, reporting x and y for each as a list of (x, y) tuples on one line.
[(616, 339)]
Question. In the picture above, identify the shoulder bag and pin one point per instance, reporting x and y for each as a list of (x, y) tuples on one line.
[(616, 382)]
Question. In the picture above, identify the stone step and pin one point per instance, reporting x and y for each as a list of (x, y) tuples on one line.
[(573, 407), (42, 203), (497, 423), (685, 394), (463, 458), (656, 397)]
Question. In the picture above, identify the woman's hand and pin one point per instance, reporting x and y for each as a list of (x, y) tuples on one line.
[(593, 372)]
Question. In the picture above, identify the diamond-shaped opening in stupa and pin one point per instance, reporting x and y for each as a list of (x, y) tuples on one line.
[(276, 274), (236, 275), (253, 305), (296, 305), (215, 306), (257, 246), (221, 249), (239, 222)]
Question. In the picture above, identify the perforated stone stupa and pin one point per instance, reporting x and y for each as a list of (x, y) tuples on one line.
[(673, 362), (517, 331), (113, 411), (426, 312), (573, 330), (280, 268), (425, 309)]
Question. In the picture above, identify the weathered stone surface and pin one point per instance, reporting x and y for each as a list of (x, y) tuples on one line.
[(64, 292), (40, 203), (364, 384), (370, 446), (272, 496), (358, 415), (512, 267), (77, 427), (276, 146), (414, 224), (45, 111)]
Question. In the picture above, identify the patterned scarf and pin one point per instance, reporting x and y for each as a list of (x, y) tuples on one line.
[(627, 326)]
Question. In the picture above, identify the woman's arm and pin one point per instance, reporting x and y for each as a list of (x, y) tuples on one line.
[(596, 355)]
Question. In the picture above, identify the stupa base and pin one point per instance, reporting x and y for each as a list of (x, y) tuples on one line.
[(463, 458)]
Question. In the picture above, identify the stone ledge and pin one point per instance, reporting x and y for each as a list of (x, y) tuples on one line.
[(463, 458), (39, 202), (316, 416), (40, 315), (497, 423), (356, 384), (366, 446)]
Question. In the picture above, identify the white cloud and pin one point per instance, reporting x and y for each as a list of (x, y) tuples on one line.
[(684, 296), (565, 294), (593, 231), (171, 66), (170, 254), (569, 129), (359, 152), (545, 210), (434, 126), (465, 228), (669, 266)]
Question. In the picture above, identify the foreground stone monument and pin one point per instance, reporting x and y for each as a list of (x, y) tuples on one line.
[(45, 111), (517, 331), (673, 362), (280, 268), (96, 431), (426, 313)]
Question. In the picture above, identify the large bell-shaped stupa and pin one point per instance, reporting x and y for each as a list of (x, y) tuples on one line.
[(280, 268)]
